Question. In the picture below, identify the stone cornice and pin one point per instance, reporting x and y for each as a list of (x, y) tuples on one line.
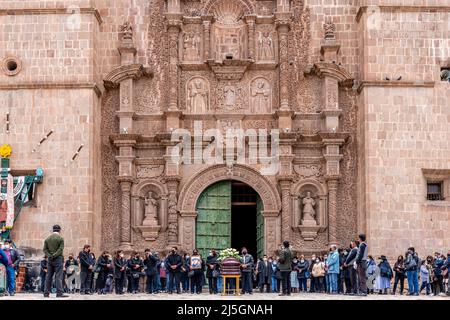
[(45, 85), (395, 84), (35, 11), (363, 9), (133, 71), (333, 70)]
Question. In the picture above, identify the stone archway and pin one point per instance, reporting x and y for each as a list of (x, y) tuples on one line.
[(199, 182)]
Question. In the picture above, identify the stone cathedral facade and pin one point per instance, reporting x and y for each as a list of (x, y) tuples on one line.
[(356, 90)]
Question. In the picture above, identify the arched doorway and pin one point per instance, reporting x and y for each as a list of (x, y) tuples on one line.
[(230, 215)]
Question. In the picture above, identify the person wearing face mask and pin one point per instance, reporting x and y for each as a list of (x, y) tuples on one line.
[(104, 264), (70, 268), (87, 267), (333, 270), (151, 271), (196, 268), (303, 273), (174, 263), (12, 264), (318, 272), (212, 271), (438, 279), (246, 271), (53, 249), (312, 281), (135, 264), (184, 274), (120, 265), (265, 274), (294, 276)]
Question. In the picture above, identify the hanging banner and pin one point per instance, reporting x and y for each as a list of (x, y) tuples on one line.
[(10, 202)]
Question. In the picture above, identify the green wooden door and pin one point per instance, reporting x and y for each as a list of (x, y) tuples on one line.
[(259, 228), (213, 227)]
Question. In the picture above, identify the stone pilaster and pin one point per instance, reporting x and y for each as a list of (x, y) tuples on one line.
[(332, 210), (173, 230), (206, 21), (125, 213), (250, 19), (173, 31), (283, 26), (286, 212)]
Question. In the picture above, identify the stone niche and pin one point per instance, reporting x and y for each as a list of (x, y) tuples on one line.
[(149, 208), (309, 203)]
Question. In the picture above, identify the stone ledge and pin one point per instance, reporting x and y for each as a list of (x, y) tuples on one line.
[(395, 84), (34, 11), (400, 8), (45, 85)]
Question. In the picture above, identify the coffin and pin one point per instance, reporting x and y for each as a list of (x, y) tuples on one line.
[(231, 266)]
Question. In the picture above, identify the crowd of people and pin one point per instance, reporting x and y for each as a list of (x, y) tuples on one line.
[(349, 271)]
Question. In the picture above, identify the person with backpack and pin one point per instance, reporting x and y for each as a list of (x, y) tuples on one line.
[(196, 267), (383, 280), (412, 263)]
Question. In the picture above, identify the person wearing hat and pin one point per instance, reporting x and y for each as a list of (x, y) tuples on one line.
[(383, 279), (53, 249)]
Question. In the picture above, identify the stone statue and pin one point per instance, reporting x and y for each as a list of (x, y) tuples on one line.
[(230, 96), (308, 208), (198, 96), (330, 29), (191, 45), (266, 51), (151, 208), (260, 94), (127, 30)]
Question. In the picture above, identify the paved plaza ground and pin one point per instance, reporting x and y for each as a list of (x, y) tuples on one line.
[(205, 296)]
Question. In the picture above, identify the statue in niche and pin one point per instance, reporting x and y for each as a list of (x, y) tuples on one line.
[(260, 96), (191, 45), (309, 214), (127, 30), (230, 97), (198, 96), (151, 209), (266, 50)]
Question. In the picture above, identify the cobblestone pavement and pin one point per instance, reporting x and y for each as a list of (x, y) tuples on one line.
[(205, 296)]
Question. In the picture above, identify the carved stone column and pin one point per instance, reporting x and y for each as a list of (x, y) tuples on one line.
[(125, 213), (332, 210), (173, 30), (206, 20), (173, 230), (282, 23), (286, 212), (250, 19)]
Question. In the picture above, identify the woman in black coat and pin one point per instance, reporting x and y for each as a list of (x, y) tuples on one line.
[(104, 265), (135, 264), (120, 266), (212, 271)]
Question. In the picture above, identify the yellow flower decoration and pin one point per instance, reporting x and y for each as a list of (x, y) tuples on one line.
[(5, 151)]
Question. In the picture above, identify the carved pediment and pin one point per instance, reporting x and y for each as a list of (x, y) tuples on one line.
[(134, 71), (333, 70)]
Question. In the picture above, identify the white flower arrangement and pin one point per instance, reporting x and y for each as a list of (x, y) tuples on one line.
[(228, 253)]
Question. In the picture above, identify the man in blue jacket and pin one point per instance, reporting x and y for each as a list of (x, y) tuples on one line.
[(333, 269)]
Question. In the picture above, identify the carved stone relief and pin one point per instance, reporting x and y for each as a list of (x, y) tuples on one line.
[(230, 97), (260, 96), (191, 47), (198, 95), (149, 171)]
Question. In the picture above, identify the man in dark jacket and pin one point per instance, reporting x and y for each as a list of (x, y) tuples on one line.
[(412, 266), (151, 271), (361, 263), (11, 266), (86, 268), (212, 270), (348, 264), (247, 265), (265, 274), (174, 263), (285, 266), (43, 273), (53, 249)]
